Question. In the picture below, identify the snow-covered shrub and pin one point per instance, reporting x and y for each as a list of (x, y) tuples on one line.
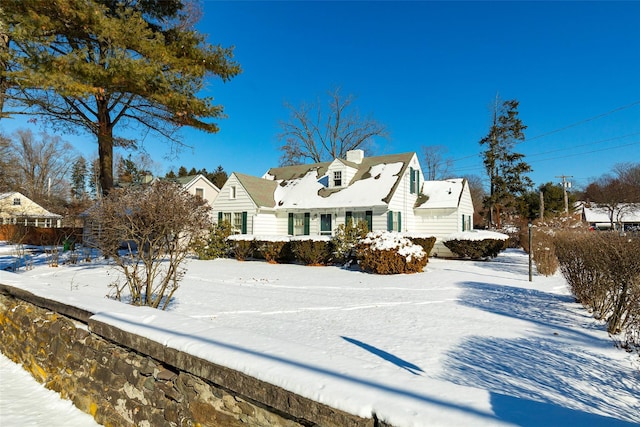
[(477, 244), (346, 238), (312, 251), (427, 242), (241, 245), (214, 244), (383, 252), (272, 248)]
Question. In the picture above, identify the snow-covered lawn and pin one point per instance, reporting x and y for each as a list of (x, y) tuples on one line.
[(464, 343)]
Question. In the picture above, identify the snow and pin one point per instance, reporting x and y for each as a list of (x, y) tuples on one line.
[(25, 402), (303, 193), (476, 235), (385, 240), (463, 343), (442, 194)]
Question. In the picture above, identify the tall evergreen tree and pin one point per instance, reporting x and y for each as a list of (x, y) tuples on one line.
[(218, 177), (506, 169), (103, 65), (79, 178)]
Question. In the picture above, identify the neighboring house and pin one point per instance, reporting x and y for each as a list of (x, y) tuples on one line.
[(625, 216), (16, 208), (198, 185), (387, 192)]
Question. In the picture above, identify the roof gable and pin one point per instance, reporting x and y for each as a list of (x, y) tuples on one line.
[(260, 190)]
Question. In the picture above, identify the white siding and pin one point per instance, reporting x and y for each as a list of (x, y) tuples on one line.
[(265, 224), (442, 222), (210, 192), (404, 201), (241, 203), (438, 223)]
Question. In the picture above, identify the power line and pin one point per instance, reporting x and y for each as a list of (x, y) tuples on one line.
[(568, 127), (474, 168), (584, 121)]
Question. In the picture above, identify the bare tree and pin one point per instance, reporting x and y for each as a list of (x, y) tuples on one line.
[(435, 163), (476, 188), (41, 165), (313, 134), (156, 226), (629, 176)]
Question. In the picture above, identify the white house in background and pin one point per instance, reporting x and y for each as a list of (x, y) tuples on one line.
[(387, 192), (16, 208), (625, 216), (198, 185)]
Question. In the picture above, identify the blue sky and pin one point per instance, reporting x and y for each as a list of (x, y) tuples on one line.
[(429, 71)]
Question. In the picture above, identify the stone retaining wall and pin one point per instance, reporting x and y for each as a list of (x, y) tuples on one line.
[(123, 379)]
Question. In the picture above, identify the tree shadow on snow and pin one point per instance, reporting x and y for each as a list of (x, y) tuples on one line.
[(542, 379), (529, 413), (414, 369)]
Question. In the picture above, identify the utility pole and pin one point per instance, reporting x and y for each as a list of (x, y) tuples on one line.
[(565, 184)]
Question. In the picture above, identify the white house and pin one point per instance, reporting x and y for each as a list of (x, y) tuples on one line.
[(16, 208), (625, 216), (387, 192), (200, 186)]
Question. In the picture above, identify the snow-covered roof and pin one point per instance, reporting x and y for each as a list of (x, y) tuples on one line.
[(625, 212), (442, 194), (304, 186)]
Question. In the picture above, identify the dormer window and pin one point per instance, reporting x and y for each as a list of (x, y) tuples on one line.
[(337, 178)]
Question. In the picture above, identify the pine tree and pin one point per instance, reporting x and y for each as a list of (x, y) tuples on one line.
[(505, 168), (79, 179), (103, 65)]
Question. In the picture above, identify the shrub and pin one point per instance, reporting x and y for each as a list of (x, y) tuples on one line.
[(241, 246), (157, 239), (311, 251), (477, 244), (384, 252), (273, 248), (543, 236), (345, 240), (603, 272), (427, 242), (214, 244)]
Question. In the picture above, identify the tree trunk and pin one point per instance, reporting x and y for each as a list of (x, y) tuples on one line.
[(105, 147)]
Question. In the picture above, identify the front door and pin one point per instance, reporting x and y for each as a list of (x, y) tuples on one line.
[(325, 224)]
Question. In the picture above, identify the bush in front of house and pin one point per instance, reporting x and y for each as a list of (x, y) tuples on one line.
[(214, 244), (312, 251), (476, 244), (383, 252), (242, 246), (427, 242), (272, 248), (345, 240)]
